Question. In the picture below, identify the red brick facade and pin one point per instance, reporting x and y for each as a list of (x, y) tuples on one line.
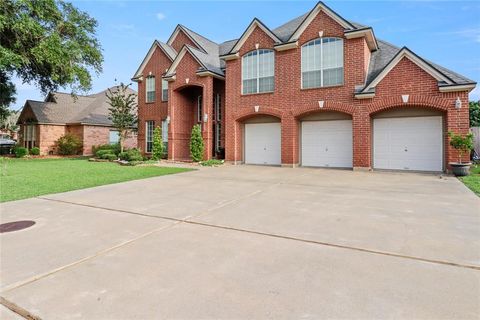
[(289, 102)]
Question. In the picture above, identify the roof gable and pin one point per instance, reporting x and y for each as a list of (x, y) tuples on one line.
[(185, 49), (167, 50), (192, 36), (251, 27), (420, 62), (308, 18)]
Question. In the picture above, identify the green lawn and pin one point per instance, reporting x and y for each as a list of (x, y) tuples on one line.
[(26, 178), (473, 180)]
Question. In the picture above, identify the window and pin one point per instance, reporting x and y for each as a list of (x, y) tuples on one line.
[(165, 131), (199, 109), (164, 90), (218, 108), (114, 137), (149, 126), (150, 89), (322, 63), (258, 69), (29, 134)]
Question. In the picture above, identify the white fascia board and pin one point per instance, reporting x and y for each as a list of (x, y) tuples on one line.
[(367, 33), (405, 53), (231, 56), (365, 95), (255, 23), (286, 46), (206, 73), (455, 88), (318, 8)]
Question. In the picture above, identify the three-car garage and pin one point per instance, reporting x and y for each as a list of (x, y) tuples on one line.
[(400, 140)]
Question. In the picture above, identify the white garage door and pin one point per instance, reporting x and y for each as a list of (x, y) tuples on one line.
[(413, 143), (327, 143), (263, 143)]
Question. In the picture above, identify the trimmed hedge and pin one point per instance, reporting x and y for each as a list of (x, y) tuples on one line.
[(114, 148)]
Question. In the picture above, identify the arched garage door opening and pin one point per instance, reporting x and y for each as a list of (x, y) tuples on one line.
[(326, 140), (408, 139), (262, 140)]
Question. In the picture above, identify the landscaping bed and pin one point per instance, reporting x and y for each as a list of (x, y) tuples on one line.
[(26, 178)]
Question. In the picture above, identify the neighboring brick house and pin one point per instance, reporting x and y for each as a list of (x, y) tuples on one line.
[(317, 91), (42, 123)]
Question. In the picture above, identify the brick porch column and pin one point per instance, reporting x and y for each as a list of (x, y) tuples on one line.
[(361, 139), (289, 138)]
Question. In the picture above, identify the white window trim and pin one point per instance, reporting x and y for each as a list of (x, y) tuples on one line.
[(321, 64), (258, 71)]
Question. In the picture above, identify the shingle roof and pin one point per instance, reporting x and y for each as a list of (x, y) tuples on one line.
[(64, 109), (379, 58)]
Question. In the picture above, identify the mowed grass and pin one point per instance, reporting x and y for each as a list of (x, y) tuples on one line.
[(26, 178), (473, 180)]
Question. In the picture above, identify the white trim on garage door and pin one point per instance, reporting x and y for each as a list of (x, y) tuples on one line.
[(327, 144), (263, 143), (409, 143)]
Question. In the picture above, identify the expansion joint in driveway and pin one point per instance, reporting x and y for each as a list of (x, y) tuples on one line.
[(328, 244), (18, 310)]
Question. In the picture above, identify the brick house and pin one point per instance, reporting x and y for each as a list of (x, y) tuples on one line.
[(317, 91), (42, 123)]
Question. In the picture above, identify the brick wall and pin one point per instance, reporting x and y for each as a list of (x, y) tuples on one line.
[(290, 103), (98, 135), (157, 110), (48, 136)]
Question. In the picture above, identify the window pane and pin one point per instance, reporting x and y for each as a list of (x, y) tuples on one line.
[(150, 86), (265, 84), (311, 79), (332, 76), (164, 131), (250, 86), (164, 90), (149, 135), (114, 137)]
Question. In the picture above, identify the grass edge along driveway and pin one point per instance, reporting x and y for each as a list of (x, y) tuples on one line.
[(27, 178), (472, 181)]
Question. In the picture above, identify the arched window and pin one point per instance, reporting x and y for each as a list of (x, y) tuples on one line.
[(258, 70), (322, 63)]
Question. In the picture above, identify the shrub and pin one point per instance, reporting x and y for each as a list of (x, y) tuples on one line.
[(101, 153), (212, 163), (158, 147), (196, 144), (35, 151), (69, 144), (114, 148), (131, 155), (462, 143), (20, 152), (110, 156)]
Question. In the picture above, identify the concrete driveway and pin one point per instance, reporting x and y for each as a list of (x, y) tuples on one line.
[(248, 242)]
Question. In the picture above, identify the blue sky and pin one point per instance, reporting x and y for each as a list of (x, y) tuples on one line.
[(445, 32)]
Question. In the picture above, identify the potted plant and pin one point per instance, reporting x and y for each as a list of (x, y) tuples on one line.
[(464, 144)]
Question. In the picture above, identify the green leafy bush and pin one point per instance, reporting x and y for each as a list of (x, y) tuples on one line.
[(35, 151), (196, 144), (463, 143), (101, 153), (69, 144), (20, 152), (114, 148), (110, 156), (131, 155), (157, 147), (212, 163)]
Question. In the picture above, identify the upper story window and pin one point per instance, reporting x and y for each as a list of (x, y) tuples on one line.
[(322, 63), (164, 90), (258, 69), (150, 84)]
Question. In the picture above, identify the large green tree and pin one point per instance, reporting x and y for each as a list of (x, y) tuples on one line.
[(48, 43), (474, 108)]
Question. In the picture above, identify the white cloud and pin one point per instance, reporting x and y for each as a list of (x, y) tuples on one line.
[(161, 16), (469, 33)]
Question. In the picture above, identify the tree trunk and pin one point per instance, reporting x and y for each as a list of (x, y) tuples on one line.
[(121, 140)]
